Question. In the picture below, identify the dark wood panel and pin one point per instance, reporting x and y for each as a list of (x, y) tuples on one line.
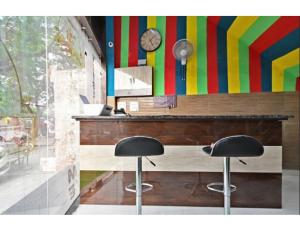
[(179, 132), (255, 190)]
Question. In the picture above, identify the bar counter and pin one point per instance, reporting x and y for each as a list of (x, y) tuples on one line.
[(180, 130), (182, 117), (259, 183)]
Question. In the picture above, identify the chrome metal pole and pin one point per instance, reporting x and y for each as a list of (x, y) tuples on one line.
[(138, 179), (226, 189)]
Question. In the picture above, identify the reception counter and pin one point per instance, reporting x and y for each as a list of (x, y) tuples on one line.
[(182, 173), (180, 130)]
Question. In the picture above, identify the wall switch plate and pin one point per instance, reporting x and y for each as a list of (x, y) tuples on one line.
[(142, 62), (134, 106)]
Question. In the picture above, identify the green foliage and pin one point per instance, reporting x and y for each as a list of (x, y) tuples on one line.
[(87, 177), (21, 66), (23, 60)]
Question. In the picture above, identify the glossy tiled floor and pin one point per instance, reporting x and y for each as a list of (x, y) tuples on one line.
[(255, 190), (290, 201)]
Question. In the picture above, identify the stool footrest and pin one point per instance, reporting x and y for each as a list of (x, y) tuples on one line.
[(219, 187), (145, 187)]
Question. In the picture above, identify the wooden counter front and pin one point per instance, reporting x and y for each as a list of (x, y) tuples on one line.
[(184, 130), (265, 187)]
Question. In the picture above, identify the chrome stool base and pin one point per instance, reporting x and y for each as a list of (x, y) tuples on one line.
[(145, 187), (219, 187)]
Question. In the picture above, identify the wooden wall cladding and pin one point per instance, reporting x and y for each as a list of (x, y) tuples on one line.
[(180, 132), (236, 104)]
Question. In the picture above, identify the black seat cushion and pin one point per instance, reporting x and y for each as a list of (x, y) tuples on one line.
[(237, 146), (139, 146)]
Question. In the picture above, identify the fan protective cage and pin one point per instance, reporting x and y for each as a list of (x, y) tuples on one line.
[(179, 46)]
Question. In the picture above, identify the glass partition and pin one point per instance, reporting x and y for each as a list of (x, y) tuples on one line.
[(42, 72)]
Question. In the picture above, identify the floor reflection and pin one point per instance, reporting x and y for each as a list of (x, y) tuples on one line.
[(254, 190)]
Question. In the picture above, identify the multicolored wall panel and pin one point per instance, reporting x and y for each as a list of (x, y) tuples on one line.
[(241, 54)]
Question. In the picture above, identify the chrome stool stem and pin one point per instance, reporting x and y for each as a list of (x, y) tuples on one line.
[(227, 191), (138, 187), (138, 179), (226, 187)]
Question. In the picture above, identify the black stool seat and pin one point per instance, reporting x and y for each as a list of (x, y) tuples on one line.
[(139, 146), (235, 146)]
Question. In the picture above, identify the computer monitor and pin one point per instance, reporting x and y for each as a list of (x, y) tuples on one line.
[(84, 99), (106, 110)]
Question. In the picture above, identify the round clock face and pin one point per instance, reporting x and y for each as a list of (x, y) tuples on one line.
[(150, 40)]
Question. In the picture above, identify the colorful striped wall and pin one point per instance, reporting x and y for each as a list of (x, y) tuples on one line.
[(241, 54)]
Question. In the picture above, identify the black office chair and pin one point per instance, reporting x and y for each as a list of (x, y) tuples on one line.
[(232, 146), (139, 146)]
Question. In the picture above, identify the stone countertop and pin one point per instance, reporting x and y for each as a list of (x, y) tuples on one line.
[(180, 117)]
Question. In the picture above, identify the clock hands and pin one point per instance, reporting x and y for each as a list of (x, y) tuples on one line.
[(150, 40)]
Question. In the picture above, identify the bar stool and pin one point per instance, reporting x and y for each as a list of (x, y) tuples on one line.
[(232, 146), (139, 146)]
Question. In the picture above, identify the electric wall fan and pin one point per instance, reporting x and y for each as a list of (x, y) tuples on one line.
[(182, 50)]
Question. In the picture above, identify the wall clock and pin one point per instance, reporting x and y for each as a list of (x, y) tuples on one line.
[(150, 40)]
